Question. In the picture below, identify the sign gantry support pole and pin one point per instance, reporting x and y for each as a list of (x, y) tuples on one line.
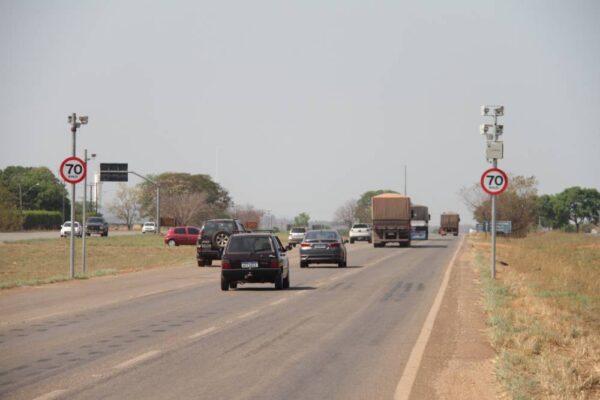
[(72, 242)]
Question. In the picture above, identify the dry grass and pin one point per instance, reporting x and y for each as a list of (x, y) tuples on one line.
[(545, 314), (47, 260)]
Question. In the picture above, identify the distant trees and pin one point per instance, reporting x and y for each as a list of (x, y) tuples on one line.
[(185, 198), (125, 206), (37, 187), (517, 204), (345, 213), (10, 218), (573, 205), (301, 219)]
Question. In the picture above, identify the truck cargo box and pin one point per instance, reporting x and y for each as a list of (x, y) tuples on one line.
[(391, 206)]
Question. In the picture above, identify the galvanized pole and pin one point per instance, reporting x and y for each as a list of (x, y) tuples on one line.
[(495, 165), (83, 226), (72, 243), (157, 209)]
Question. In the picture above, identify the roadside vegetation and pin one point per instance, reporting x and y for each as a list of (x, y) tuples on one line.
[(33, 262), (544, 314)]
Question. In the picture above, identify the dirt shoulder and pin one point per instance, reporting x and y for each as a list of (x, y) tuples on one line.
[(458, 362)]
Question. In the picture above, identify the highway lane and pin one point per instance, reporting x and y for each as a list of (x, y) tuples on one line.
[(30, 235), (172, 333)]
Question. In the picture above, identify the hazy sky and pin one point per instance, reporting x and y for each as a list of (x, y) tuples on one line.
[(307, 103)]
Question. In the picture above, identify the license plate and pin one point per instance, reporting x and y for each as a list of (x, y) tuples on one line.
[(320, 246), (205, 245), (249, 264)]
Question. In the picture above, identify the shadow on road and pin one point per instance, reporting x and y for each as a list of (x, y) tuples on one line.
[(332, 267), (270, 289), (429, 246)]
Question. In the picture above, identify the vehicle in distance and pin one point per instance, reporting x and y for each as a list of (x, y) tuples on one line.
[(65, 229), (323, 247), (96, 226), (391, 219), (449, 223), (254, 258), (360, 232), (214, 237), (182, 235), (149, 227), (296, 236), (419, 223)]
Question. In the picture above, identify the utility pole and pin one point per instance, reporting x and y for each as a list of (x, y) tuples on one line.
[(83, 225), (83, 120), (494, 151)]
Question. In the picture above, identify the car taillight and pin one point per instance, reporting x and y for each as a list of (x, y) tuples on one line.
[(333, 245), (274, 264), (304, 244), (225, 264)]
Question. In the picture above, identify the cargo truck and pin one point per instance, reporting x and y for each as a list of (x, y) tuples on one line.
[(419, 223), (391, 219), (449, 223)]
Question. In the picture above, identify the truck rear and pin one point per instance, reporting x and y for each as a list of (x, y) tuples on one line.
[(420, 222), (391, 219), (449, 223)]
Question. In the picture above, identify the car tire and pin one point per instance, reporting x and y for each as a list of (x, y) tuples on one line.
[(370, 241), (220, 239), (279, 281), (224, 284), (342, 264), (351, 241), (232, 285), (286, 281), (172, 243), (201, 262), (303, 264), (208, 262)]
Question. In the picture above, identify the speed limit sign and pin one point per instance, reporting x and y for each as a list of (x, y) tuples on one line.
[(494, 181), (73, 170)]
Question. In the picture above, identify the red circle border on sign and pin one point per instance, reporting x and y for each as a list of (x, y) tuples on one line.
[(82, 175), (501, 173)]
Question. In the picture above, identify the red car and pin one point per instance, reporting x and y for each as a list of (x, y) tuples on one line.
[(181, 235)]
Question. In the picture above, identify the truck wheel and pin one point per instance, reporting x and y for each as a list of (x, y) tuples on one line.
[(200, 262), (224, 284)]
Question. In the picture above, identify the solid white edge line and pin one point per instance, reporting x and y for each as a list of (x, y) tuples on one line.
[(202, 333), (409, 374), (51, 395), (137, 360)]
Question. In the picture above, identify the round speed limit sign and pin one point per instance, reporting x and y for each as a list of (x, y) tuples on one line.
[(494, 181), (73, 170)]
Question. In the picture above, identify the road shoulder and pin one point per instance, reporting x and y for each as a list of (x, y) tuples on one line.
[(458, 362)]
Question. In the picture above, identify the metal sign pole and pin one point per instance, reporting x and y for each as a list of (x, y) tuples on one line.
[(72, 243), (495, 163), (83, 227)]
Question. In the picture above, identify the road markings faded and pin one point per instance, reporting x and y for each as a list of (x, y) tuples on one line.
[(248, 314), (409, 374), (203, 333), (51, 395), (278, 301), (136, 360)]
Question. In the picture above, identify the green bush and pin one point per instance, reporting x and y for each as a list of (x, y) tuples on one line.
[(41, 219)]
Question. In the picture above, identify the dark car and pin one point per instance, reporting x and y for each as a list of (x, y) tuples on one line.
[(213, 238), (254, 258), (182, 235), (97, 226), (322, 247)]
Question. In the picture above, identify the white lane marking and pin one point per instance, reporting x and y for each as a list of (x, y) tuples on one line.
[(51, 395), (248, 314), (202, 333), (409, 374), (298, 293), (278, 301), (137, 360)]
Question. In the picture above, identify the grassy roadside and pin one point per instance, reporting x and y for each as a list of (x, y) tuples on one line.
[(544, 314), (32, 262)]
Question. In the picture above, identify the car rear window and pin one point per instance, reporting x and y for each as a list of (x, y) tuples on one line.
[(213, 226), (95, 220), (326, 236), (249, 244), (298, 230), (360, 226)]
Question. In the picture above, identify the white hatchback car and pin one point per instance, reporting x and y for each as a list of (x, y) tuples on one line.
[(360, 232), (149, 227), (65, 229)]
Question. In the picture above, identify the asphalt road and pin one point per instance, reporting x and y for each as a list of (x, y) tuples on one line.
[(173, 334)]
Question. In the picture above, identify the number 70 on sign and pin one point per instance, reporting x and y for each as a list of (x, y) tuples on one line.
[(494, 181), (73, 170)]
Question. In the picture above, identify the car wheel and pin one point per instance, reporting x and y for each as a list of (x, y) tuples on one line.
[(233, 285), (224, 283), (286, 281), (201, 262), (172, 243), (342, 264), (351, 241), (220, 239), (303, 264), (279, 281), (208, 262)]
